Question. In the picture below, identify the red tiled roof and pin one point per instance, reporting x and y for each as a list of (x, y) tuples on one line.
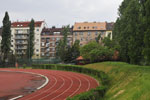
[(80, 58), (26, 24)]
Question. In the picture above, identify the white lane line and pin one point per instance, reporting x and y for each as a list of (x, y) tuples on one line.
[(46, 82), (89, 84), (45, 90), (65, 90), (55, 90), (77, 88), (16, 97)]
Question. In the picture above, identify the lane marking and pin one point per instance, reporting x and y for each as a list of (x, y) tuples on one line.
[(45, 90), (16, 97), (65, 90), (77, 88), (55, 90)]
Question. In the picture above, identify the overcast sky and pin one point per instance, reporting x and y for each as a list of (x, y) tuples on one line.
[(60, 12)]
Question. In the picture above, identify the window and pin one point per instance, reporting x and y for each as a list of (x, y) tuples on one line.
[(43, 54), (89, 33), (57, 39), (37, 40), (53, 49), (53, 38), (37, 29), (81, 33), (37, 50), (37, 55), (76, 33), (79, 27), (42, 49), (84, 27), (82, 39), (43, 44), (56, 33), (47, 39), (96, 33), (94, 27), (43, 39)]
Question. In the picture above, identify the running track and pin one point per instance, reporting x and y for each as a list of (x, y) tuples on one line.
[(61, 84)]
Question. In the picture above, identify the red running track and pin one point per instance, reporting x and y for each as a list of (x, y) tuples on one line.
[(61, 84)]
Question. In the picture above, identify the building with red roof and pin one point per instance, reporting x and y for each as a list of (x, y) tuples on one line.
[(20, 34)]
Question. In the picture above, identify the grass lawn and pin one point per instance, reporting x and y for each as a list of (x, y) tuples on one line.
[(128, 82)]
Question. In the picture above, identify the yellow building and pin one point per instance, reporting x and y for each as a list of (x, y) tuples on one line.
[(89, 31)]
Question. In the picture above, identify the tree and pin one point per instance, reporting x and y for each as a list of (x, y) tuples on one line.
[(75, 50), (98, 38), (6, 37), (127, 32), (62, 48), (95, 52), (108, 42), (30, 46), (146, 22)]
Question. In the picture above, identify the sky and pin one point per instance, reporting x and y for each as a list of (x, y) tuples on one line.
[(60, 12)]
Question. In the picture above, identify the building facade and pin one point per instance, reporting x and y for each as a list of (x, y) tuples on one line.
[(89, 31), (20, 35), (49, 40), (109, 30)]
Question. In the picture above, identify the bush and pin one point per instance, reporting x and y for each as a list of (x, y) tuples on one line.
[(93, 94)]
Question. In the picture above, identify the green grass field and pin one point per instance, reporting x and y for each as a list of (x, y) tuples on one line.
[(128, 82)]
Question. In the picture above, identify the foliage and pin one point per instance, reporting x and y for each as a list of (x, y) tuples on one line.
[(146, 23), (108, 42), (6, 37), (30, 46), (66, 52), (95, 52), (93, 94), (62, 48), (131, 28)]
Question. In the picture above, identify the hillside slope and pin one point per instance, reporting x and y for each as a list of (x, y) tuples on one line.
[(128, 82)]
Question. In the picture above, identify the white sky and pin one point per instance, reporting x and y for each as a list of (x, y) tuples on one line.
[(60, 12)]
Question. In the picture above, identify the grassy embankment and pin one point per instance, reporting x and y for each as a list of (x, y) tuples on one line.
[(128, 82)]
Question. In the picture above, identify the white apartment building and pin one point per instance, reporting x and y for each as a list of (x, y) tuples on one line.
[(19, 37)]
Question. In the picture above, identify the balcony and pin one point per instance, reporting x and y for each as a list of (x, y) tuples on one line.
[(21, 38), (21, 43), (21, 48)]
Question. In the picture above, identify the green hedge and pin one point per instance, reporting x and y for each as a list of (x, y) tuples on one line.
[(94, 94)]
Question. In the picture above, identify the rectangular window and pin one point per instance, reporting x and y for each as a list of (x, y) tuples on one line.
[(43, 44), (89, 33), (96, 33), (76, 33)]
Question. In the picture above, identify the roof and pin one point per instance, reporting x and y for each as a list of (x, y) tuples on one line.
[(80, 58), (86, 26), (110, 26), (0, 31), (26, 24), (50, 31)]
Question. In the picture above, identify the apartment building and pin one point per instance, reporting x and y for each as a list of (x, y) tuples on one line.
[(89, 31), (20, 35), (49, 40)]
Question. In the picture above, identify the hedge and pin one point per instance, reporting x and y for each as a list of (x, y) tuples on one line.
[(94, 94)]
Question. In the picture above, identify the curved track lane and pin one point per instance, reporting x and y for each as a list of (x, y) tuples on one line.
[(61, 84)]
